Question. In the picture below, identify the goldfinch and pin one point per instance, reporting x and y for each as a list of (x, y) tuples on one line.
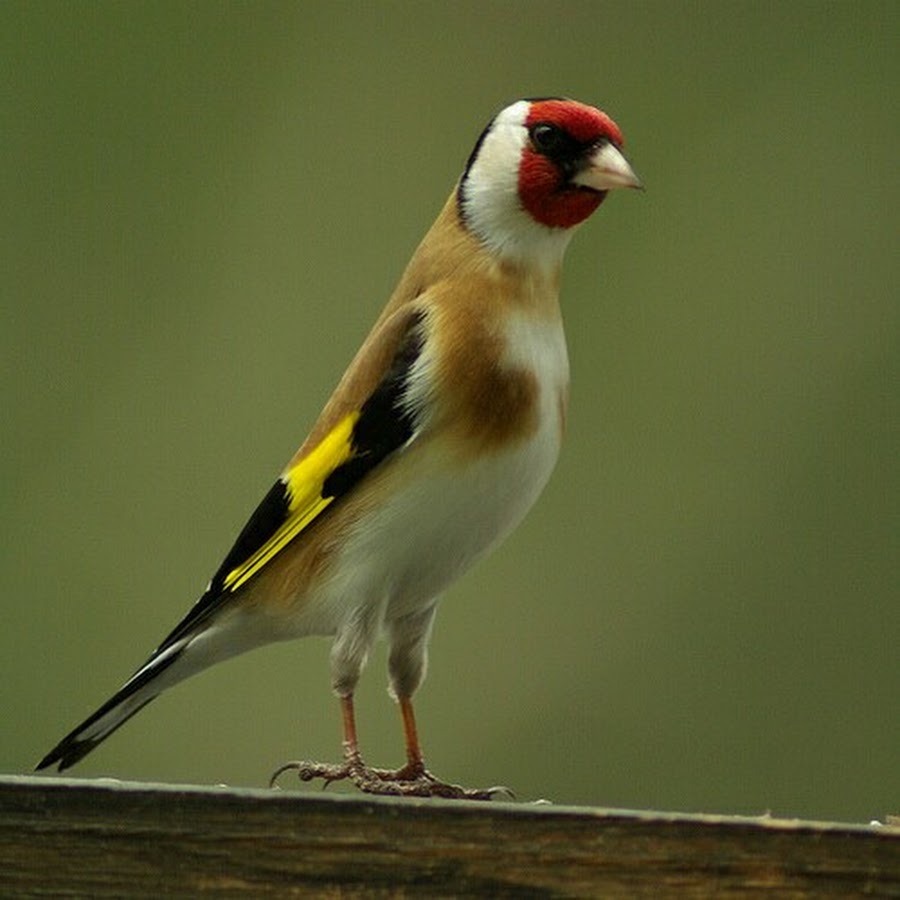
[(438, 439)]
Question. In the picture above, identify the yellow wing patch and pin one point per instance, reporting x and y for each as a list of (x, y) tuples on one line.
[(305, 501)]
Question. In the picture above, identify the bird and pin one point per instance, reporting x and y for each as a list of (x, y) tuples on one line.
[(436, 442)]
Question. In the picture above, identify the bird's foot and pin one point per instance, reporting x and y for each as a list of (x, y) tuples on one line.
[(412, 780)]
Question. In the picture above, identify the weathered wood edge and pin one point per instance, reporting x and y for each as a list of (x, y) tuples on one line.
[(541, 809), (114, 838)]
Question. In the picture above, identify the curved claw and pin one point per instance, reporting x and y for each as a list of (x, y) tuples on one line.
[(308, 771), (501, 791), (281, 770)]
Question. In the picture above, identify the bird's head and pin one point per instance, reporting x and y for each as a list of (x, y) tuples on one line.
[(540, 168)]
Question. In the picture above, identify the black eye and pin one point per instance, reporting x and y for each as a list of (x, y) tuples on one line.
[(550, 140)]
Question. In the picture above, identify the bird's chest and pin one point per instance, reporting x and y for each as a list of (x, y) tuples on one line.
[(472, 476), (509, 402)]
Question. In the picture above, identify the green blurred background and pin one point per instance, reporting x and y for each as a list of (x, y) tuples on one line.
[(205, 206)]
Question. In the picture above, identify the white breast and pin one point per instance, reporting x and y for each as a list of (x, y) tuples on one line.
[(438, 514)]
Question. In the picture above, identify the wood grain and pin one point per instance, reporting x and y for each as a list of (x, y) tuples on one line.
[(80, 838)]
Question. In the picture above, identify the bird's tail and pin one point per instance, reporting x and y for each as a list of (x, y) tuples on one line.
[(145, 685)]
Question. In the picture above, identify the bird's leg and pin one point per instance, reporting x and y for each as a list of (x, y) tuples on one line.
[(415, 762), (412, 780), (352, 766), (414, 770)]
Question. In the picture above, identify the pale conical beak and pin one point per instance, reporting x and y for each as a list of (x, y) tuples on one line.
[(607, 169)]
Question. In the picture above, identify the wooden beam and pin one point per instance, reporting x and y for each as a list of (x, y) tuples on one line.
[(82, 838)]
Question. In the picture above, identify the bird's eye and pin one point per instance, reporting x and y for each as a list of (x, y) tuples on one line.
[(548, 139)]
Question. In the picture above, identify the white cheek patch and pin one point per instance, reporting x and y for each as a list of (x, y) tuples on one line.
[(490, 195), (495, 170)]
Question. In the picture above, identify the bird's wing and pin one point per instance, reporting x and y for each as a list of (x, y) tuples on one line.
[(366, 421)]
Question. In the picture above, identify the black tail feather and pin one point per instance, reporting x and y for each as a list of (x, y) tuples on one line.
[(73, 748), (76, 745)]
